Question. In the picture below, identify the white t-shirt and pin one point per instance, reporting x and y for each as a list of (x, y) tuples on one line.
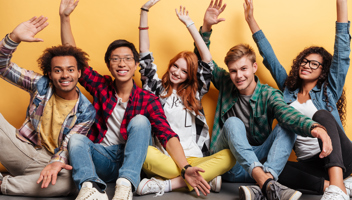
[(182, 122), (306, 147), (113, 135)]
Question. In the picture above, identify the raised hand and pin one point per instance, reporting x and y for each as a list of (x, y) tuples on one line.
[(248, 10), (193, 177), (183, 16), (49, 173), (28, 29), (212, 13), (67, 7), (150, 4)]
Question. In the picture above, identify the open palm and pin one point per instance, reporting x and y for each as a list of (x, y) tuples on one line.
[(67, 7), (28, 29)]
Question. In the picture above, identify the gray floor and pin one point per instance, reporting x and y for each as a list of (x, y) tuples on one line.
[(229, 191)]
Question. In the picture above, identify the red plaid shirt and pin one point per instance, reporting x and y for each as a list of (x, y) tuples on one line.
[(140, 102)]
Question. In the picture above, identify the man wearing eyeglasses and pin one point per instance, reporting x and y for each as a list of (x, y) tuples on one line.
[(126, 116)]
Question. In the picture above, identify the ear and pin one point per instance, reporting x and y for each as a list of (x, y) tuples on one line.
[(79, 73), (255, 67), (49, 74)]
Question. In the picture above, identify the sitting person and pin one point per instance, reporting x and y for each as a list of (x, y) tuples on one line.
[(314, 86), (117, 144), (180, 90), (243, 123), (36, 154)]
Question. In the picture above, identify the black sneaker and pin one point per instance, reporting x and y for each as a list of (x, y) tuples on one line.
[(276, 191), (251, 192)]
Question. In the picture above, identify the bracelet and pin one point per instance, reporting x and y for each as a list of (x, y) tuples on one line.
[(143, 28), (317, 125), (190, 24), (183, 171), (144, 9)]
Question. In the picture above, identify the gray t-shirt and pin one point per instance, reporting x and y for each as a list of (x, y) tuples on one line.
[(242, 110)]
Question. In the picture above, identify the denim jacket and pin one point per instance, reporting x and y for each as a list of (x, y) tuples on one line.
[(40, 88), (336, 78)]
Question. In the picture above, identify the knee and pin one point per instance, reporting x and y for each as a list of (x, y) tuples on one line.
[(140, 121), (227, 158), (233, 125), (321, 115), (76, 140)]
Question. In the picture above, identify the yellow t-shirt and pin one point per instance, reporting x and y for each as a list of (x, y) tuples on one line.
[(54, 115)]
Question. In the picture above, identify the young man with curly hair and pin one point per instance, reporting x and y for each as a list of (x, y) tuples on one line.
[(36, 154)]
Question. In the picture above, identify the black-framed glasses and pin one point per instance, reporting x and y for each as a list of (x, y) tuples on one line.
[(127, 59), (313, 64)]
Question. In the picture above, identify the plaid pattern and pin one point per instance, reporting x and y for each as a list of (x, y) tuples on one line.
[(153, 83), (140, 102), (266, 103), (79, 120)]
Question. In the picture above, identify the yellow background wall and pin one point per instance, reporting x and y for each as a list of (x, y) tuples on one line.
[(289, 25)]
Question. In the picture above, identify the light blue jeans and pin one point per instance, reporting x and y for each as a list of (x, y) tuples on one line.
[(276, 150), (96, 163)]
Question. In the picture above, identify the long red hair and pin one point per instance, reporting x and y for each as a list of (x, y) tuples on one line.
[(188, 89)]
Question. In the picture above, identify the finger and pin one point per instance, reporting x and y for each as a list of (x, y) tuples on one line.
[(202, 189), (199, 169), (222, 8), (37, 20), (220, 3), (40, 179), (211, 4), (184, 10), (215, 4), (41, 27), (47, 181), (41, 22), (75, 4), (54, 178), (32, 19), (196, 189), (68, 167), (205, 183)]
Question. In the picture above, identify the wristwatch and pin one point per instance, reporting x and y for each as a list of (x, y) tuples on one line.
[(183, 171)]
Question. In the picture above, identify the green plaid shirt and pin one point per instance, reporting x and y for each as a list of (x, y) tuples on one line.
[(266, 104)]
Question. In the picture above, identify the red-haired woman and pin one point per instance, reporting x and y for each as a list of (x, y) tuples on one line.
[(180, 90), (314, 86)]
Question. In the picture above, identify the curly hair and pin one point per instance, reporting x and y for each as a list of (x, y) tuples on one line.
[(293, 80), (44, 60), (188, 89)]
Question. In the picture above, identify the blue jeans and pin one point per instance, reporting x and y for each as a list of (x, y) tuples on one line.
[(276, 149), (96, 163)]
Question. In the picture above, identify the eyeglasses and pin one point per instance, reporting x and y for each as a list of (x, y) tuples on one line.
[(313, 64), (128, 59)]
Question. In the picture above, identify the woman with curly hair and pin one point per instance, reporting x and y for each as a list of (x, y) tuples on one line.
[(314, 86), (180, 89)]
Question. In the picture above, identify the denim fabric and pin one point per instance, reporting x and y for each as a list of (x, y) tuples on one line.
[(276, 149), (94, 162), (336, 78)]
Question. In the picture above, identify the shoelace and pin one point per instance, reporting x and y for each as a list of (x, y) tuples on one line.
[(258, 194), (85, 193), (121, 192), (274, 194), (154, 183)]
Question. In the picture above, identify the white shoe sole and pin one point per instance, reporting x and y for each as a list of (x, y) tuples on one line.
[(296, 195), (218, 183), (244, 193), (141, 186)]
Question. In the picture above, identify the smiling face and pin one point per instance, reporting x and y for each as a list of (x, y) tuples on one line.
[(242, 75), (64, 76), (308, 74), (122, 69), (178, 72)]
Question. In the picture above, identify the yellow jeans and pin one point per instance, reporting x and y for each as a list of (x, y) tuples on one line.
[(159, 164)]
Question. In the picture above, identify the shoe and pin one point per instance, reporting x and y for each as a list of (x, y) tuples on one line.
[(275, 190), (123, 190), (1, 177), (215, 184), (151, 186), (251, 192), (88, 192), (334, 193), (348, 185)]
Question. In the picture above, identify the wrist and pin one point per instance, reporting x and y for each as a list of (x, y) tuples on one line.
[(189, 23), (206, 27), (314, 126), (14, 38), (183, 171)]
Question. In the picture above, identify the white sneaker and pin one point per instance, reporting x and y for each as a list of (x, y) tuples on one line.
[(334, 193), (123, 190), (151, 186), (348, 185), (215, 184), (88, 192)]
